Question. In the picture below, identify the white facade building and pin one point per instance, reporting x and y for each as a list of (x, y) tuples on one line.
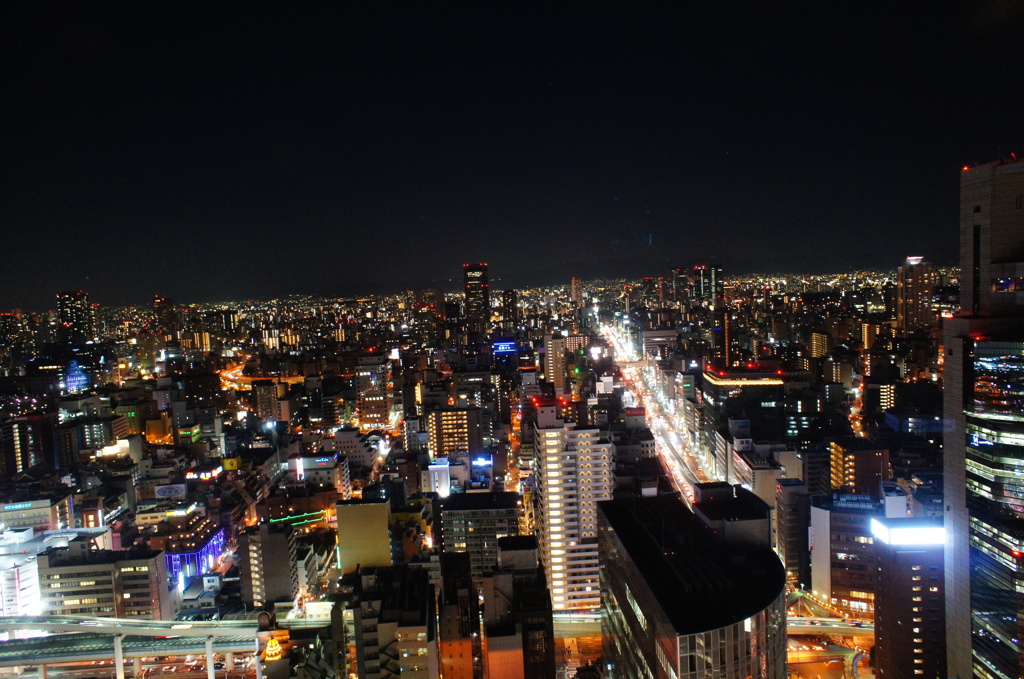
[(574, 473)]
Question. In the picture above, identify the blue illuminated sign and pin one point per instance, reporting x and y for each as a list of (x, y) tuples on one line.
[(505, 347), (482, 462), (19, 505)]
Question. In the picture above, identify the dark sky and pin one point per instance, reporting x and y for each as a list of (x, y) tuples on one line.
[(249, 150)]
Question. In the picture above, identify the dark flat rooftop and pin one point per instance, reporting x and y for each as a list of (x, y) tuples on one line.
[(700, 582), (479, 501)]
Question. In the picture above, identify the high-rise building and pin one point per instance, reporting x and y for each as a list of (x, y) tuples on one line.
[(478, 298), (554, 362), (264, 397), (454, 431), (519, 639), (375, 392), (705, 285), (509, 310), (430, 309), (574, 473), (473, 523), (983, 377), (859, 465), (792, 519), (916, 283), (909, 592), (29, 440), (576, 291), (681, 598), (166, 315), (364, 537), (76, 317), (458, 619), (266, 573), (843, 559), (752, 395), (391, 623)]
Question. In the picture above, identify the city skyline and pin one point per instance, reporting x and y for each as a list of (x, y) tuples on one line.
[(455, 288), (216, 153)]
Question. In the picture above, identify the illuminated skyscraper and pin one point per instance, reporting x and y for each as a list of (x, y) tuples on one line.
[(574, 473), (706, 285), (909, 611), (984, 442), (915, 287), (478, 298), (166, 314), (509, 311), (77, 322)]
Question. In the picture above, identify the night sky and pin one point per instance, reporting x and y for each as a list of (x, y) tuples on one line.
[(254, 150)]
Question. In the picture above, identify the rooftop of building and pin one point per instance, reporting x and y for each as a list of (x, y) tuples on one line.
[(517, 542), (848, 502), (741, 505), (462, 502), (62, 557), (405, 594), (859, 443), (789, 482), (700, 582)]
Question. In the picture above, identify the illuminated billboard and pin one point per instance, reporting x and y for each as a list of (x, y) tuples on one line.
[(505, 347)]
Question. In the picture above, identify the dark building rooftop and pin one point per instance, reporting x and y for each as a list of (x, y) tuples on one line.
[(479, 501), (517, 542), (701, 582)]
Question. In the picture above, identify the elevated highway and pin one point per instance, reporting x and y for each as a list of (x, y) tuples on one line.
[(68, 638), (836, 627)]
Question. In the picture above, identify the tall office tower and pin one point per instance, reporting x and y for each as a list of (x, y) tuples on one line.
[(843, 558), (454, 431), (478, 298), (574, 473), (430, 313), (27, 441), (554, 362), (706, 285), (680, 279), (375, 392), (916, 281), (681, 598), (909, 612), (77, 321), (576, 291), (747, 394), (792, 519), (983, 379), (721, 338), (509, 311), (166, 315)]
